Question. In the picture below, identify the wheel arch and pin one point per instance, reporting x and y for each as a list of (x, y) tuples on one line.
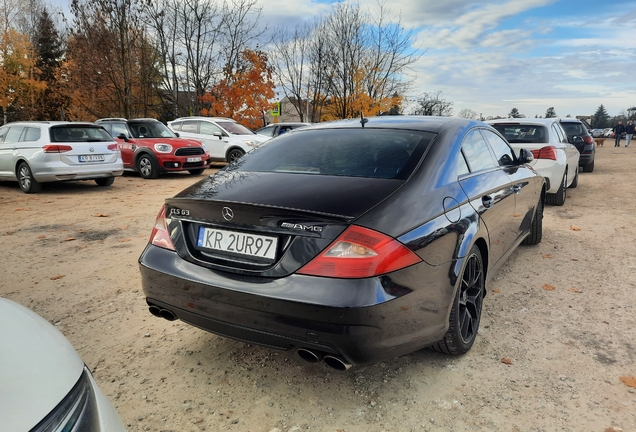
[(234, 147), (143, 151)]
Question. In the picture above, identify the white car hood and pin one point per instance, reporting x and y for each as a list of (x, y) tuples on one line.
[(38, 367)]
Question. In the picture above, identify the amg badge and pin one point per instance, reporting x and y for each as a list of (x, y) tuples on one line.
[(302, 227)]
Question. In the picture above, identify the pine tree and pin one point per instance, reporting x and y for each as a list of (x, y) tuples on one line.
[(49, 53), (601, 118), (550, 113), (514, 113)]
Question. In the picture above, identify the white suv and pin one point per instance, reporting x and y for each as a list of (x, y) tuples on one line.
[(33, 153), (225, 139)]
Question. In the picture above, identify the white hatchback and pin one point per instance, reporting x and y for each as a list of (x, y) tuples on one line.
[(554, 158), (33, 153), (225, 139)]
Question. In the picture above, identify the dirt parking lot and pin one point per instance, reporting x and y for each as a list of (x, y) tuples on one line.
[(557, 335)]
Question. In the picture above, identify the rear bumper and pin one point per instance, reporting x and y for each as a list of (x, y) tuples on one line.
[(586, 159), (363, 321)]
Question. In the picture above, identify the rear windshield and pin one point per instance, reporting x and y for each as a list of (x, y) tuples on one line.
[(574, 129), (84, 133), (523, 133), (234, 128), (374, 153), (150, 130)]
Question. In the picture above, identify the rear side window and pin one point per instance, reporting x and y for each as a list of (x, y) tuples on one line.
[(572, 129), (235, 128), (374, 153), (118, 129), (189, 126), (31, 134), (14, 134), (477, 152), (83, 133), (175, 126)]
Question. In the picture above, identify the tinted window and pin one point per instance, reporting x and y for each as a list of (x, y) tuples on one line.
[(175, 126), (477, 152), (341, 152), (462, 166), (235, 128), (14, 134), (572, 129), (519, 133), (267, 130), (31, 134), (190, 126), (3, 133), (503, 152), (83, 133), (207, 128), (560, 134)]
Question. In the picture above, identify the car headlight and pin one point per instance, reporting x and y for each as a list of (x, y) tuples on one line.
[(204, 147), (252, 143), (163, 148)]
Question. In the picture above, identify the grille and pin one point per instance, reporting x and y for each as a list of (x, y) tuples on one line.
[(189, 151)]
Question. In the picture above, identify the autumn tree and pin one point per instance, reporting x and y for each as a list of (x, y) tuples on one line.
[(17, 74), (245, 93)]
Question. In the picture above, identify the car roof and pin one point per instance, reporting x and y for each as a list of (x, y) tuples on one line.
[(203, 118), (51, 123), (570, 120), (118, 119), (525, 121), (420, 123)]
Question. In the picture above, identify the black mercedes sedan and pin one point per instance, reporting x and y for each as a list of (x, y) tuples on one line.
[(350, 242)]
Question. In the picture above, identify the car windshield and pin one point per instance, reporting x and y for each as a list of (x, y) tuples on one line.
[(85, 133), (235, 128), (150, 130), (374, 153), (516, 133), (572, 129)]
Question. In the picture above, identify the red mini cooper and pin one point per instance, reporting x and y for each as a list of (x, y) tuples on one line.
[(150, 148)]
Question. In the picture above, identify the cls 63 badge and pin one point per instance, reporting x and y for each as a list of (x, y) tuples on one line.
[(179, 212)]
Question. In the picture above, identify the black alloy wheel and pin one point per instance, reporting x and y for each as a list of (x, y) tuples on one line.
[(28, 183), (466, 312), (147, 167), (234, 155)]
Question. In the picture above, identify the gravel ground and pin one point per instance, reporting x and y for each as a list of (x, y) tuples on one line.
[(558, 330)]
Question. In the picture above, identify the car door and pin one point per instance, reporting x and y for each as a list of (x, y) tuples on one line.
[(571, 152), (490, 192), (522, 184), (215, 143), (6, 156), (126, 146)]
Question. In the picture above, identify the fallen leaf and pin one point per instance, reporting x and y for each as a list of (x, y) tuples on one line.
[(496, 290), (629, 381), (547, 256), (549, 287), (404, 308), (70, 239), (575, 290), (19, 209), (41, 236), (575, 228), (124, 240), (516, 215), (124, 228), (57, 277), (506, 360), (606, 322), (100, 215)]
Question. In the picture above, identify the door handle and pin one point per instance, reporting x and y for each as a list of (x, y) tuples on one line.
[(516, 189), (487, 201)]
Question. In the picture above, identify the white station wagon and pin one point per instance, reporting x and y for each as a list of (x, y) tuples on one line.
[(33, 153)]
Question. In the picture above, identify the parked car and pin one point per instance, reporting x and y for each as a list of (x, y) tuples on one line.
[(607, 132), (554, 157), (598, 133), (579, 136), (226, 139), (150, 148), (350, 241), (275, 129), (33, 153), (45, 385)]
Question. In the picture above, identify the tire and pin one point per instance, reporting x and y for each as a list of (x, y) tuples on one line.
[(27, 182), (536, 230), (589, 167), (234, 155), (196, 171), (147, 166), (575, 182), (107, 181), (465, 314), (558, 198)]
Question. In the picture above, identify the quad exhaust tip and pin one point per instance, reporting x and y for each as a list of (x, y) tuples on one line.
[(162, 313)]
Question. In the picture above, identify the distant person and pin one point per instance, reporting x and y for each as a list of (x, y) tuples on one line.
[(629, 132), (618, 130)]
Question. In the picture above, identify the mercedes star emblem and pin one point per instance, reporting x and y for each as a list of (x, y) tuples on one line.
[(91, 149), (228, 214)]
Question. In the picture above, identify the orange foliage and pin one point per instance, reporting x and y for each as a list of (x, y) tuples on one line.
[(245, 93)]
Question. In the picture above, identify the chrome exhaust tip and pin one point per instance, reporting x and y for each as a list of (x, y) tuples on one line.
[(168, 315), (309, 355), (337, 362)]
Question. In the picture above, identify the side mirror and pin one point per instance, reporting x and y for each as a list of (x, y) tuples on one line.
[(525, 156), (177, 134), (123, 137)]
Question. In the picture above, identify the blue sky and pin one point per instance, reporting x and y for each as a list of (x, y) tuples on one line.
[(491, 56)]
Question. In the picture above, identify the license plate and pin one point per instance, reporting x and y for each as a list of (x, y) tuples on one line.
[(91, 158), (193, 159), (239, 243)]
